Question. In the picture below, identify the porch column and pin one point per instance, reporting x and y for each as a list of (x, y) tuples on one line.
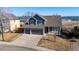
[(58, 30), (30, 31), (43, 31)]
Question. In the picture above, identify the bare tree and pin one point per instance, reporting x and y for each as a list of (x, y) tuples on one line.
[(2, 32), (26, 16), (2, 10), (5, 10)]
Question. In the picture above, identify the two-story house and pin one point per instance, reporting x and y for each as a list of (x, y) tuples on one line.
[(43, 24)]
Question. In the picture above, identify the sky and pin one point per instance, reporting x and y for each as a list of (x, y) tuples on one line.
[(63, 11)]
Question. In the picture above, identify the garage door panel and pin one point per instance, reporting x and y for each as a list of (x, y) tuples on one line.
[(37, 31)]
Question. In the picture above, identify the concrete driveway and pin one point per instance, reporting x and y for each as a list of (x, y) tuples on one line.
[(28, 41)]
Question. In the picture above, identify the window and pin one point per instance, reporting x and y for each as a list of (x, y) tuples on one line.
[(32, 21), (40, 22), (54, 28), (50, 28)]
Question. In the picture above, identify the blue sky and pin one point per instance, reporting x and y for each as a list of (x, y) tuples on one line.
[(63, 11)]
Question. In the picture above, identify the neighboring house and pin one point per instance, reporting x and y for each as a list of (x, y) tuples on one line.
[(43, 24), (22, 20), (9, 22)]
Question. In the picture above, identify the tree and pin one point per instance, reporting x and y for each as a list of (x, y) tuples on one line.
[(2, 10), (1, 25)]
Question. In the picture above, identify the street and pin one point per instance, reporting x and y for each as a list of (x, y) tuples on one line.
[(4, 47)]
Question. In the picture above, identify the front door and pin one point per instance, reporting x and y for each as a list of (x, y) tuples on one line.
[(46, 29)]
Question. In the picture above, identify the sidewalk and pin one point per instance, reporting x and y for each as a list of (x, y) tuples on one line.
[(28, 41)]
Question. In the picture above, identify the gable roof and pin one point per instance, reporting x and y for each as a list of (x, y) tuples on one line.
[(53, 20), (32, 18), (38, 17)]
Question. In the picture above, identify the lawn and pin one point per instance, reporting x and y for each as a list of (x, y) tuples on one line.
[(55, 43), (9, 36)]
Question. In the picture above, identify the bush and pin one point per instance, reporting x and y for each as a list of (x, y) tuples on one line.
[(72, 33), (66, 33), (75, 31)]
